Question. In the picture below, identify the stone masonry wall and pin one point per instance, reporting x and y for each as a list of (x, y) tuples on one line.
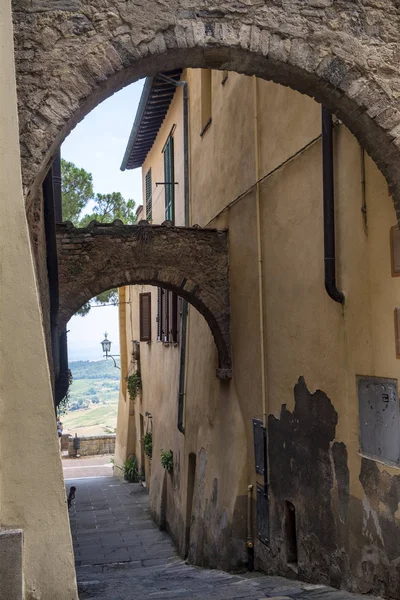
[(93, 445), (72, 54), (192, 262)]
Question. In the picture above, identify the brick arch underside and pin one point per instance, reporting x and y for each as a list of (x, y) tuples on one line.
[(192, 262), (73, 54)]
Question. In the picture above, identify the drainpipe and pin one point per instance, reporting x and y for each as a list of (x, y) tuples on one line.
[(329, 208), (250, 540), (184, 320), (52, 215), (259, 259), (52, 270)]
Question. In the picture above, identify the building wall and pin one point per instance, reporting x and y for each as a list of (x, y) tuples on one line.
[(296, 353), (32, 493)]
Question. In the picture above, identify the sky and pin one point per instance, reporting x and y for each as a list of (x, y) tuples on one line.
[(98, 144)]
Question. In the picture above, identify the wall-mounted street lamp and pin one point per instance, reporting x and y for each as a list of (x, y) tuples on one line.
[(106, 344)]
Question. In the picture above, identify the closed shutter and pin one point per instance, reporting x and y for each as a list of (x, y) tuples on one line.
[(145, 317), (159, 314), (169, 179), (173, 318), (149, 203), (165, 309)]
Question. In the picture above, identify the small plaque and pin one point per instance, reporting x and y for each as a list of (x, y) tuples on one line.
[(379, 418)]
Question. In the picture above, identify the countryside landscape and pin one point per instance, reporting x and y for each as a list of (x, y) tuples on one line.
[(93, 398)]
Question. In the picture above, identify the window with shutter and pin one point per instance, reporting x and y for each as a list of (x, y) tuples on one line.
[(145, 317), (149, 203), (169, 179), (165, 320), (160, 292), (173, 317)]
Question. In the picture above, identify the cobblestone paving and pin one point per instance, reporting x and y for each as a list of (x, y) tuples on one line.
[(121, 555)]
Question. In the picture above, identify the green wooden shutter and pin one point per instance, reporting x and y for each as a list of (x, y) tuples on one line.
[(149, 207), (169, 180)]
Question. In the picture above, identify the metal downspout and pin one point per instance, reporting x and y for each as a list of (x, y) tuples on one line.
[(329, 208), (182, 365), (264, 392), (182, 361)]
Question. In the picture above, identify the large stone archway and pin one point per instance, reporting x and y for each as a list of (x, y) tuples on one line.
[(72, 54), (190, 261)]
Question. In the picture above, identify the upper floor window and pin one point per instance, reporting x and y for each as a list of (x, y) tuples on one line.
[(167, 316), (169, 179), (145, 317), (149, 206), (206, 99)]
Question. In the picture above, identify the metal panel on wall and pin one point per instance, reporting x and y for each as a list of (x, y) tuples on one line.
[(379, 418), (262, 515), (259, 446)]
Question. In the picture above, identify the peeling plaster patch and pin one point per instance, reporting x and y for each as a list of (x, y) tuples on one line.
[(302, 472), (370, 516), (339, 453), (224, 522)]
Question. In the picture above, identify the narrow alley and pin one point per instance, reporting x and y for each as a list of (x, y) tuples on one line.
[(120, 554)]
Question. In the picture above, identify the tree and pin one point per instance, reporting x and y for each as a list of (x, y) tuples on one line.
[(109, 207), (77, 193), (77, 190)]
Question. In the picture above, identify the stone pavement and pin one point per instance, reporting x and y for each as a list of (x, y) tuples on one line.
[(121, 555)]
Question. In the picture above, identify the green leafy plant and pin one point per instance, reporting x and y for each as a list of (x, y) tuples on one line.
[(134, 382), (131, 470), (167, 460), (148, 443), (63, 406)]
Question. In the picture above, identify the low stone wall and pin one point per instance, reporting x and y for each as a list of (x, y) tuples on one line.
[(92, 445)]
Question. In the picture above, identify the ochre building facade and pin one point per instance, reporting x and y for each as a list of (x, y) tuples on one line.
[(326, 507)]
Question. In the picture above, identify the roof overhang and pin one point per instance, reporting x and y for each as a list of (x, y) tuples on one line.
[(153, 106)]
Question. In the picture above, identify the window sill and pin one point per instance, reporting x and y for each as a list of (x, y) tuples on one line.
[(206, 127)]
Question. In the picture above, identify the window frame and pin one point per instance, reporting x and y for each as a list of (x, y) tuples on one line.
[(169, 179)]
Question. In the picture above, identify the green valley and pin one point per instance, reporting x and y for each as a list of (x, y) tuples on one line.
[(93, 398)]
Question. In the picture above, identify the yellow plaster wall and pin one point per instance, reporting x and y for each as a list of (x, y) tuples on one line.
[(32, 494), (306, 333), (155, 159)]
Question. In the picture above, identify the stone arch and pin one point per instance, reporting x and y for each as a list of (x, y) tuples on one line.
[(190, 261), (72, 54)]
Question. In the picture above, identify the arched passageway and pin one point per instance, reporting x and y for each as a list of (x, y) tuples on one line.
[(192, 262), (72, 55)]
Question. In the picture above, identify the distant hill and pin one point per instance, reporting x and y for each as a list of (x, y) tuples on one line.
[(93, 397), (101, 369)]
